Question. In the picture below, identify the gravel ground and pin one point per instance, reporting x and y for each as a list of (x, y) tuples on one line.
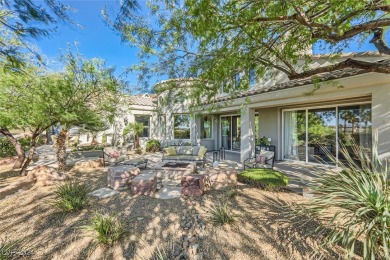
[(261, 229)]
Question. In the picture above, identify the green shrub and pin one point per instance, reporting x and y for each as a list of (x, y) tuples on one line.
[(220, 215), (71, 196), (263, 178), (153, 146), (231, 193), (7, 149), (358, 198), (7, 249), (104, 138), (106, 228)]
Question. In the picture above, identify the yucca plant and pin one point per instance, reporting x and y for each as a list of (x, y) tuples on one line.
[(358, 195), (231, 193), (106, 228), (7, 249), (71, 196), (221, 215)]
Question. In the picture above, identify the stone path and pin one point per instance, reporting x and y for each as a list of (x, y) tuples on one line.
[(104, 193), (47, 156)]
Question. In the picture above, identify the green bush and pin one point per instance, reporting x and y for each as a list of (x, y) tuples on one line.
[(7, 249), (267, 179), (89, 148), (153, 146), (106, 228), (358, 198), (104, 138), (7, 149), (221, 215), (71, 196)]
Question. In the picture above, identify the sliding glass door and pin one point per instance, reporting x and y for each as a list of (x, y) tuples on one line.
[(295, 135), (321, 134), (231, 132), (312, 134)]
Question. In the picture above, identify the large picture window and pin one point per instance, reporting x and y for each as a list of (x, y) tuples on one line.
[(145, 121), (182, 129), (206, 123), (310, 134)]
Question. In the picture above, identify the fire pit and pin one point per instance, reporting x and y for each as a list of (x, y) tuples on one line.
[(174, 170), (175, 165)]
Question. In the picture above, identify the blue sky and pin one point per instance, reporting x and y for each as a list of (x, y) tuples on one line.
[(96, 39)]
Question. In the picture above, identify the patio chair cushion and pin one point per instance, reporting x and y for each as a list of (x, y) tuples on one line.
[(202, 151), (267, 154), (261, 159), (170, 151)]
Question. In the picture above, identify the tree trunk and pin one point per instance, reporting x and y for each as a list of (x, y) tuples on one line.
[(18, 147), (33, 145), (61, 149)]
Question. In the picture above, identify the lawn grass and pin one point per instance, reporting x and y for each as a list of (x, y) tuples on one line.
[(263, 178)]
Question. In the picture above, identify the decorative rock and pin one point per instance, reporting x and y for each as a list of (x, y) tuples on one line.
[(103, 193), (119, 177), (221, 177), (144, 184), (97, 163), (44, 175), (193, 185), (193, 249)]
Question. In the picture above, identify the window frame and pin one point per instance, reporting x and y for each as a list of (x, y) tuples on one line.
[(202, 127), (145, 127), (189, 126)]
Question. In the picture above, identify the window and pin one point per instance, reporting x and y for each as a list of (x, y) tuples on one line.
[(206, 123), (252, 77), (182, 129), (312, 134), (145, 121), (162, 125)]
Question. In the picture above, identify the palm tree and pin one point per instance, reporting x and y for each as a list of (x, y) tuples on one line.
[(137, 129)]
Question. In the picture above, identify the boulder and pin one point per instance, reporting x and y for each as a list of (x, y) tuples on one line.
[(221, 177), (119, 177), (44, 175), (144, 184), (193, 185), (88, 164)]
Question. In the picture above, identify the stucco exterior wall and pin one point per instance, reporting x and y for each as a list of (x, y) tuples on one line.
[(269, 126)]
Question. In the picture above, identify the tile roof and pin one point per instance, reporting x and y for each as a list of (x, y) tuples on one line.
[(338, 74), (142, 101)]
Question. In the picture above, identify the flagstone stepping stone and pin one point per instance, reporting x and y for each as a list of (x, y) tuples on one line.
[(104, 193), (168, 193)]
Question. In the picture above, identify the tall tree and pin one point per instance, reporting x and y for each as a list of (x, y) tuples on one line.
[(24, 19), (214, 40), (87, 98), (23, 105)]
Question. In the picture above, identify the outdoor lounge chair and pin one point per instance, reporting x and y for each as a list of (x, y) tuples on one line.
[(264, 158)]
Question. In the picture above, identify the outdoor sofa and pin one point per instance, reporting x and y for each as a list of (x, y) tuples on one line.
[(185, 153)]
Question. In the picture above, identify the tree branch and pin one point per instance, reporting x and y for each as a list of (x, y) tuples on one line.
[(379, 67), (377, 40), (355, 30)]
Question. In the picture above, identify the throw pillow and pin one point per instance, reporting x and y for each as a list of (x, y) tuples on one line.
[(115, 154), (261, 159), (170, 150), (202, 151)]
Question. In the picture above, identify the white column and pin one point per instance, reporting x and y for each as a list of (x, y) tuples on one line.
[(381, 120), (247, 133)]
